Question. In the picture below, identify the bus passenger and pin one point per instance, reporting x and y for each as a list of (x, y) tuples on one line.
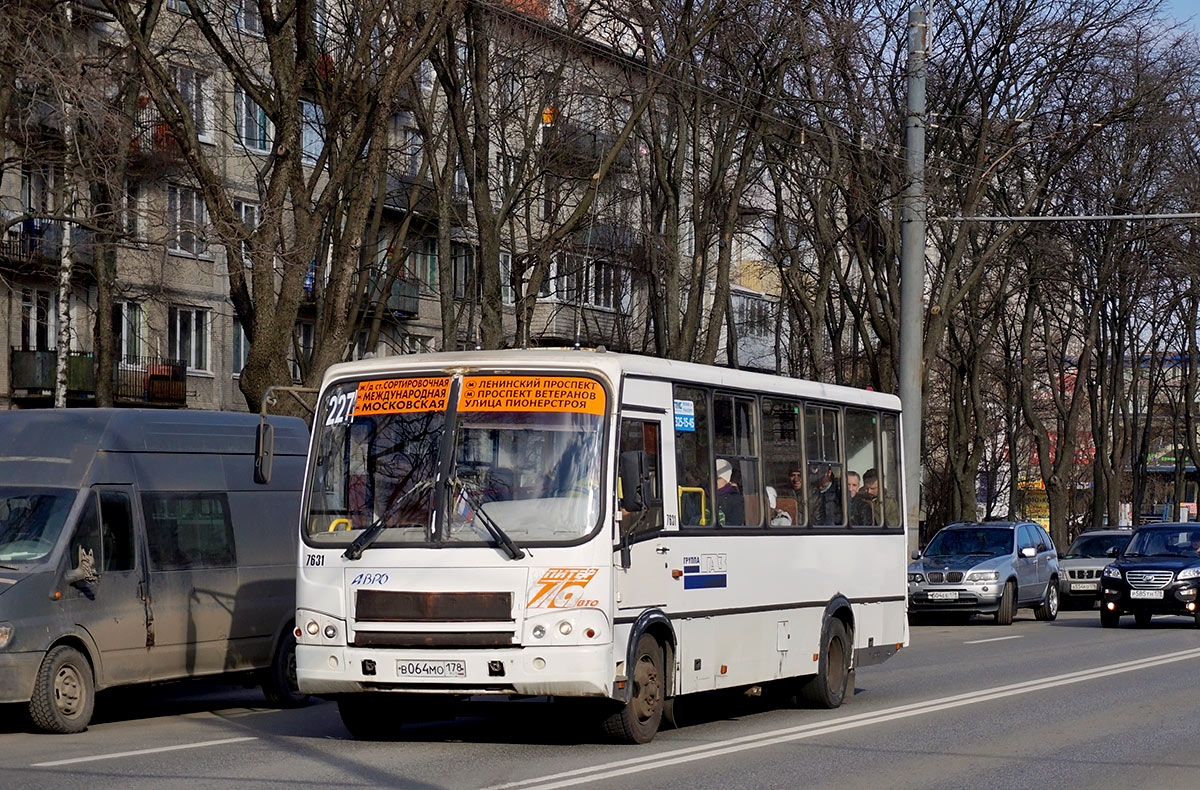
[(853, 483), (826, 501), (868, 509), (731, 507)]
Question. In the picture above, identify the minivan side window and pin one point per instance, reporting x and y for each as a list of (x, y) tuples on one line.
[(106, 533), (189, 530)]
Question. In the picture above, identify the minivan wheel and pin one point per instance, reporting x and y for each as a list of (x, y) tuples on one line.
[(64, 693), (1048, 609), (1008, 605), (279, 682)]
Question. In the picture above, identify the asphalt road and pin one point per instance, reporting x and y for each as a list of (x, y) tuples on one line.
[(976, 705)]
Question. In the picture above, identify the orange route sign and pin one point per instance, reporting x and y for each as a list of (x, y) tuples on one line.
[(573, 394), (401, 396)]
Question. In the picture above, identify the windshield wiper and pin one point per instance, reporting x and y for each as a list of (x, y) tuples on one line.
[(513, 551), (372, 533)]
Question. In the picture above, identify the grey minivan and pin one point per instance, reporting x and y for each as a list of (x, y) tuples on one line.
[(988, 567), (136, 546)]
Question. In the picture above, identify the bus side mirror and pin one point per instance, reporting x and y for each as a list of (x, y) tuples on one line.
[(264, 452), (633, 470)]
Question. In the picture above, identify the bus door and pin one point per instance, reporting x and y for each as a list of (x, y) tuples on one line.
[(643, 560)]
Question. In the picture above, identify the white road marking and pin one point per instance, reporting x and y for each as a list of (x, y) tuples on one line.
[(994, 639), (115, 755), (815, 729)]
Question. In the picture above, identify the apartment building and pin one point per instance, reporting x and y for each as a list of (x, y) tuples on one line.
[(177, 339)]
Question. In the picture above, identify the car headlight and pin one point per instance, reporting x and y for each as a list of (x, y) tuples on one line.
[(916, 578), (1112, 572), (6, 634), (1188, 573), (983, 576)]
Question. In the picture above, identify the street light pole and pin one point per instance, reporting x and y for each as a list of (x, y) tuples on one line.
[(912, 274)]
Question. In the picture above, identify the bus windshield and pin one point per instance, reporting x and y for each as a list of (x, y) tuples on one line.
[(523, 455), (30, 522)]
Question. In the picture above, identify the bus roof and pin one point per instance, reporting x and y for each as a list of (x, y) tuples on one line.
[(610, 364)]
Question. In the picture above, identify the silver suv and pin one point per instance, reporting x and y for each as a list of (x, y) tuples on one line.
[(1081, 565), (990, 567)]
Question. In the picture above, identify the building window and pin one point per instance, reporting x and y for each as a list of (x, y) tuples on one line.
[(302, 340), (130, 208), (416, 344), (250, 215), (424, 262), (507, 293), (129, 322), (253, 126), (186, 219), (187, 336), (246, 17), (464, 271), (603, 285), (754, 316), (38, 319), (312, 131), (191, 85), (241, 348)]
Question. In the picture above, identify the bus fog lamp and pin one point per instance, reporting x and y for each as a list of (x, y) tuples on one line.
[(539, 663), (564, 627), (330, 631), (312, 627), (539, 631), (333, 662)]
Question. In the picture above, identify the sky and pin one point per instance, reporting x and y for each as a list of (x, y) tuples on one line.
[(1185, 9)]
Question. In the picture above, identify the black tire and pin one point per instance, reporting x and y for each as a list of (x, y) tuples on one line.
[(638, 720), (64, 693), (367, 717), (1109, 619), (827, 689), (1141, 619), (1048, 608), (917, 618), (279, 681), (1008, 605)]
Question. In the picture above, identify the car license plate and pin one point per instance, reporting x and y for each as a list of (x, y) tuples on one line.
[(1084, 587), (943, 595), (1145, 593), (431, 669)]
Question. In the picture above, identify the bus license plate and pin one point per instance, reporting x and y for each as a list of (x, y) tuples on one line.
[(1083, 587), (431, 669), (1145, 593), (943, 595)]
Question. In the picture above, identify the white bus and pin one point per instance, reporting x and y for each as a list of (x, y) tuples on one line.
[(590, 524)]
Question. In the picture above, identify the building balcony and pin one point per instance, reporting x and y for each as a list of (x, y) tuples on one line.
[(137, 381), (36, 245), (605, 237), (153, 144), (576, 149)]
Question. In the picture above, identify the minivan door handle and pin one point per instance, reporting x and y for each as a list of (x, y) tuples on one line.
[(141, 590)]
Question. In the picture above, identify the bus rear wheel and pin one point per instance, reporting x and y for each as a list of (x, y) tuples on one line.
[(637, 720), (827, 689)]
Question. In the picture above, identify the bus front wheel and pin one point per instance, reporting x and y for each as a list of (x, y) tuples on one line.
[(637, 720)]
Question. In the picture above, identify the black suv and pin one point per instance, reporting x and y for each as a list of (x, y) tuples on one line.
[(1157, 573)]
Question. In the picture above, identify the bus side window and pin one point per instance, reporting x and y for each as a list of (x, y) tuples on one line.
[(782, 462), (736, 443), (640, 467), (693, 458), (826, 499)]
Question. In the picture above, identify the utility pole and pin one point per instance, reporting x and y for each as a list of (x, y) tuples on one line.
[(912, 274)]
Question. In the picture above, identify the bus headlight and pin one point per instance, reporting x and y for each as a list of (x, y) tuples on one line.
[(564, 627), (312, 627), (6, 634), (330, 631), (539, 631)]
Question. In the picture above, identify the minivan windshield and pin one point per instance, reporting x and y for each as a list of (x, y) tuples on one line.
[(1177, 541), (1095, 546), (30, 522), (517, 454), (987, 541)]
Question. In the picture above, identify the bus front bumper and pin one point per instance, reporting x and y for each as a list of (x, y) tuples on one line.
[(560, 670)]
